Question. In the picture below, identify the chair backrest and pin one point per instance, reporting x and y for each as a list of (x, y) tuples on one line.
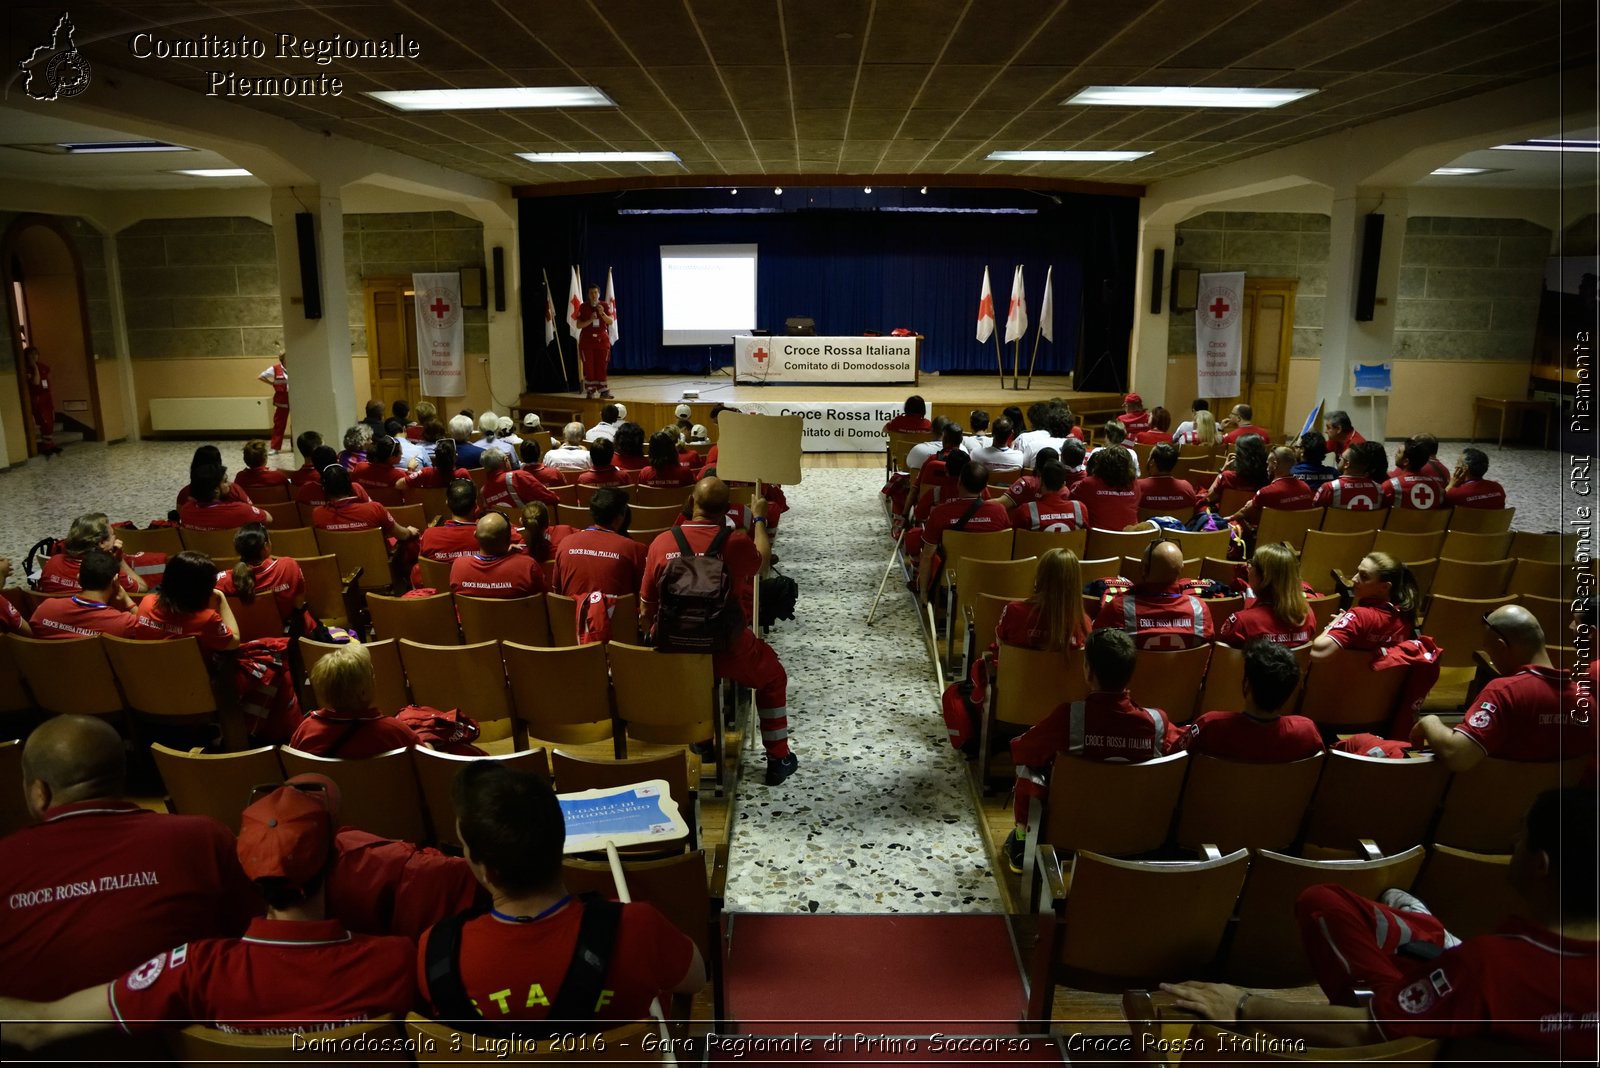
[(1538, 577), (1550, 548), (1194, 901), (411, 515), (1551, 612), (1391, 802), (1119, 543), (155, 540), (436, 774), (208, 1045), (1216, 569), (1224, 688), (1280, 524), (432, 501), (1408, 548), (1353, 521), (390, 693), (487, 619), (1266, 948), (658, 496), (69, 676), (1030, 683), (960, 545), (645, 537), (1343, 691), (1233, 499), (1324, 606), (257, 619), (560, 695), (676, 885), (663, 697), (1157, 1024), (1324, 552), (1456, 624), (900, 445), (1482, 520), (1482, 809), (435, 573), (1089, 570), (324, 588), (1199, 544), (1012, 579), (162, 680), (364, 549), (1475, 548), (285, 514), (378, 794), (215, 784), (423, 619), (260, 495), (14, 813), (468, 677), (441, 1042), (1170, 680), (1423, 572), (213, 543), (1234, 805), (986, 612), (1113, 809), (1133, 567), (1469, 892), (1418, 520), (573, 515), (647, 517), (563, 613)]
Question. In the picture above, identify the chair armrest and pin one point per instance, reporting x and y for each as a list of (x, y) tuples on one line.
[(1055, 886), (717, 879), (1480, 660)]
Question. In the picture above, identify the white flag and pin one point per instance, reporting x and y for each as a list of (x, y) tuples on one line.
[(441, 351), (574, 304), (1047, 310), (611, 307), (1217, 335), (1017, 317), (986, 310), (549, 315)]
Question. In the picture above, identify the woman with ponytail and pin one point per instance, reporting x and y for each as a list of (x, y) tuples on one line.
[(1384, 611), (258, 572)]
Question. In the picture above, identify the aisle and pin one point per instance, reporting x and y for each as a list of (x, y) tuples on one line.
[(878, 818)]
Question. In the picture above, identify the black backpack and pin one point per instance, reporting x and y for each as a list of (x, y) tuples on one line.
[(699, 613)]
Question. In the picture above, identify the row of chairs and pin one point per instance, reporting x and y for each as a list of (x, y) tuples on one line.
[(546, 620)]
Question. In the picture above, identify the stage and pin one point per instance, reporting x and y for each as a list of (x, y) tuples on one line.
[(651, 399)]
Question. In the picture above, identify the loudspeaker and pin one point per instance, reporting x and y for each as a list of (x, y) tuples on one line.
[(305, 232), (1156, 280), (499, 260), (1367, 279)]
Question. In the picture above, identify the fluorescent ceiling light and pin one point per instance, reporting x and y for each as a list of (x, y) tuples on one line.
[(1068, 156), (1458, 172), (83, 148), (217, 172), (543, 96), (1178, 96), (599, 157), (1551, 144)]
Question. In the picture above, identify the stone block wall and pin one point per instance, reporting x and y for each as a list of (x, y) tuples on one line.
[(401, 243), (1469, 288), (200, 288)]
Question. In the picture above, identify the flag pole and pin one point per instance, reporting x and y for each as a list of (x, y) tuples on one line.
[(549, 300), (999, 358), (1016, 364), (1035, 356)]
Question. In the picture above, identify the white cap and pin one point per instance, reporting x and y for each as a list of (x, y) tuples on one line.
[(682, 411), (697, 432), (531, 420), (505, 425), (487, 422), (622, 409)]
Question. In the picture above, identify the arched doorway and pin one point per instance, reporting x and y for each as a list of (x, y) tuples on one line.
[(46, 306)]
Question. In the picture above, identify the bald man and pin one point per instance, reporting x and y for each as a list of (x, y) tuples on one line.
[(1158, 612), (1526, 714), (507, 488), (1284, 491), (100, 885), (749, 661), (495, 570)]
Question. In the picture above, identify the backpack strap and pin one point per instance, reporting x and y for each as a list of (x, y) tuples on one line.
[(683, 542), (591, 958), (972, 510), (715, 548), (442, 966)]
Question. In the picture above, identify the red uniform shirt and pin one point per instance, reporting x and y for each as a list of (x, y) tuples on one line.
[(262, 477), (632, 463), (1109, 508), (373, 475), (1355, 492), (1524, 716), (324, 732), (60, 575), (220, 515), (1230, 480), (1258, 620), (513, 971), (1478, 493), (1167, 493), (1025, 489), (515, 489), (739, 555), (1407, 490), (156, 623), (543, 549), (280, 386), (669, 477), (282, 976), (312, 495), (1236, 736), (1103, 726), (1338, 443), (232, 491), (10, 617), (100, 886), (378, 886), (1150, 437), (908, 424), (1285, 493), (433, 478), (1054, 511), (1369, 625), (279, 576), (1249, 428), (604, 476), (74, 617), (1021, 624), (350, 513), (453, 538), (1157, 618), (988, 516), (598, 559), (516, 574), (1134, 422)]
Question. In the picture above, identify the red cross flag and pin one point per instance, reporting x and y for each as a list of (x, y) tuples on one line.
[(1047, 309), (611, 307), (549, 315), (574, 304), (1017, 317), (985, 310), (1217, 318), (441, 349)]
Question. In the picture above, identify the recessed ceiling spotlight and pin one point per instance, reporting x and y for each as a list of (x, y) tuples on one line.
[(777, 191), (866, 189), (735, 192), (924, 190)]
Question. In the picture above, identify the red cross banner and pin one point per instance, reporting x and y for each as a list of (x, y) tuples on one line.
[(986, 310), (441, 341), (1218, 312), (574, 304)]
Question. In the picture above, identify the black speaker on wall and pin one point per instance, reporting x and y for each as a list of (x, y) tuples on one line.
[(305, 232), (1367, 278), (1157, 275), (499, 260)]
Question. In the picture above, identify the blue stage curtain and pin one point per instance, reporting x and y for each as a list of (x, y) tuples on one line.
[(852, 270)]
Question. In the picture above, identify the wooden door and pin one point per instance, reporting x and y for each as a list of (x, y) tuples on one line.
[(1268, 336), (392, 340)]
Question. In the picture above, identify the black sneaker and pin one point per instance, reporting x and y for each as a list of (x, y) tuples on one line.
[(1014, 846), (779, 770)]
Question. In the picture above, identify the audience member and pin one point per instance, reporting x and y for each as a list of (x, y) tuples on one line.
[(1358, 486), (978, 437), (1283, 492), (307, 442), (1384, 612), (468, 455), (380, 471), (932, 479), (504, 487), (1204, 431), (1310, 469), (1026, 489), (630, 447), (1340, 433), (1158, 611), (1053, 509), (1180, 436), (206, 510), (601, 558), (1411, 484), (346, 724), (345, 510), (11, 620), (541, 536), (1116, 435), (399, 419), (100, 607), (1259, 734), (667, 468), (969, 510), (373, 419), (1239, 423), (495, 570), (536, 467), (1245, 469), (188, 605), (1134, 418), (258, 573), (1110, 491), (604, 472), (1159, 430), (1053, 617), (1275, 608), (457, 535), (572, 454), (606, 428), (91, 530), (311, 493), (1001, 452), (426, 412), (256, 474), (1057, 431), (1160, 491), (1468, 488), (210, 456), (357, 439)]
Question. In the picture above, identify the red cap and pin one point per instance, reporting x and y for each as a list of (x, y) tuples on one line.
[(289, 833), (1133, 398)]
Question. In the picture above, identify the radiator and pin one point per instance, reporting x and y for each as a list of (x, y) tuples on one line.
[(175, 414)]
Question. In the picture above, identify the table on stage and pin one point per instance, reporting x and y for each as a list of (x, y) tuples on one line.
[(839, 360)]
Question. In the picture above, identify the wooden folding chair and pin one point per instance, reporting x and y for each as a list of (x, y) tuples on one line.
[(1120, 543), (647, 517), (257, 619), (958, 546), (487, 619), (168, 683), (1550, 548), (469, 677), (1482, 520), (421, 619), (563, 613), (1266, 948), (67, 677), (1284, 525), (1028, 685), (389, 693), (1234, 805), (1234, 499), (440, 1042), (1224, 686), (14, 696), (1027, 543), (1353, 520), (666, 699), (573, 515), (1423, 572), (435, 573), (411, 515), (391, 499), (646, 537), (363, 549), (213, 543), (260, 495), (378, 794), (436, 776), (1199, 544), (658, 496), (1418, 520), (298, 542), (325, 589), (1323, 552), (1476, 548), (1472, 581), (432, 501), (561, 696), (14, 814), (678, 768), (1343, 693), (198, 1044), (285, 514), (1540, 578), (1456, 625), (1011, 579), (1324, 607), (1469, 892), (1482, 809), (215, 784), (1408, 548), (1133, 567), (1390, 802), (1089, 570), (1551, 612), (1170, 680), (154, 540)]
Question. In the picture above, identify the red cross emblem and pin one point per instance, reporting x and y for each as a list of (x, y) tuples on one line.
[(438, 307), (759, 355), (1219, 308)]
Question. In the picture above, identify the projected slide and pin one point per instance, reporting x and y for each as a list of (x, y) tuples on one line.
[(708, 293)]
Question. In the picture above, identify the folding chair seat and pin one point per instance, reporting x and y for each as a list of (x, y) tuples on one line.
[(469, 677), (1482, 520), (1290, 526), (325, 589), (1266, 948), (215, 784), (1120, 543), (1409, 547), (1234, 805), (168, 683), (563, 612), (421, 619), (678, 768), (213, 543), (1469, 892), (1325, 552), (1390, 802), (561, 696), (389, 693), (666, 698), (298, 542), (1170, 680), (1476, 548), (67, 677), (378, 794), (436, 776), (1354, 521), (523, 619), (1482, 809), (363, 549), (1343, 693), (1418, 520), (1538, 577), (154, 540), (1550, 548)]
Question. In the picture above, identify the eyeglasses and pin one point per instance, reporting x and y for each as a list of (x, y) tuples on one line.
[(1494, 629), (266, 789)]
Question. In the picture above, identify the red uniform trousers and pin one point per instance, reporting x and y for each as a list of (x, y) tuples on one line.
[(1349, 939), (751, 662), (280, 423), (44, 417)]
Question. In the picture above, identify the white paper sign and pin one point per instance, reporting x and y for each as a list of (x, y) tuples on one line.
[(1218, 313), (441, 339)]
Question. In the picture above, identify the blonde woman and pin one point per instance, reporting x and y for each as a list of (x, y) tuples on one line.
[(1203, 432), (1053, 617), (1276, 609)]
